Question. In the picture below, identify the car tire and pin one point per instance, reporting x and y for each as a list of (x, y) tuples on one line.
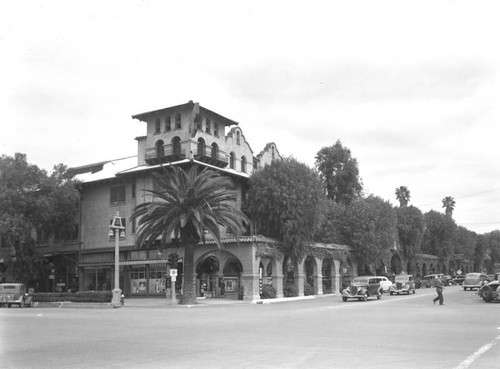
[(487, 293), (378, 297), (344, 298), (392, 293), (365, 297), (465, 289)]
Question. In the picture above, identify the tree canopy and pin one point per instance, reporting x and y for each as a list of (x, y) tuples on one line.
[(284, 202), (439, 235), (410, 228), (339, 173), (31, 199), (402, 195)]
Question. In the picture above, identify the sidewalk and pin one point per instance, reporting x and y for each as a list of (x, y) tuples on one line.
[(156, 302)]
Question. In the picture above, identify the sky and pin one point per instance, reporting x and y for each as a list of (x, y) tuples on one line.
[(411, 88)]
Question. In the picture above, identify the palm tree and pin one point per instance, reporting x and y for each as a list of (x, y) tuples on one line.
[(449, 205), (403, 195), (189, 204)]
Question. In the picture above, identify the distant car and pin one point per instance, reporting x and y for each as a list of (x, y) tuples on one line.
[(385, 283), (490, 292), (459, 279), (362, 288), (14, 294), (448, 280), (430, 280), (404, 283), (473, 281)]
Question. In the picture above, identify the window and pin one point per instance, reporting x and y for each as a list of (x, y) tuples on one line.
[(216, 129), (178, 121), (176, 145), (133, 190), (157, 125), (201, 146), (160, 151), (208, 126), (231, 160), (117, 195), (243, 164), (238, 139), (168, 124), (215, 151), (198, 122)]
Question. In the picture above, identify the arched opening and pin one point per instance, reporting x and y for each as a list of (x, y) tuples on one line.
[(289, 289), (201, 146), (215, 151), (396, 264), (231, 160), (243, 164), (309, 269), (327, 274), (176, 145), (207, 277), (424, 270), (160, 149), (231, 279)]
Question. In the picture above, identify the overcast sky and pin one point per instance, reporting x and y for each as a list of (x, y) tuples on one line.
[(411, 88)]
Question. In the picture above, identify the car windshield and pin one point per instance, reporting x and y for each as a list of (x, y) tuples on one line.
[(360, 280), (401, 278)]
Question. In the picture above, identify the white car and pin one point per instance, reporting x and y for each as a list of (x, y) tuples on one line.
[(385, 283)]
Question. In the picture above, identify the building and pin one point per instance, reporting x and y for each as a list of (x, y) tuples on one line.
[(187, 134)]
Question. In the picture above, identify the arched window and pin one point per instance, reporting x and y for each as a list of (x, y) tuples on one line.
[(231, 160), (176, 145), (238, 139), (208, 126), (215, 151), (157, 125), (168, 124), (178, 121), (201, 146), (243, 164), (160, 151)]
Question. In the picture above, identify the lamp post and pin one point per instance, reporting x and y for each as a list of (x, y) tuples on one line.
[(117, 229)]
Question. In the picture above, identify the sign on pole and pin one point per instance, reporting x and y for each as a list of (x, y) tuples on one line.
[(173, 274)]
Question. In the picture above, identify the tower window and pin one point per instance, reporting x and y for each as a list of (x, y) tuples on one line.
[(157, 125), (178, 121), (231, 160), (117, 195), (208, 127), (238, 138), (216, 129), (168, 124), (243, 164)]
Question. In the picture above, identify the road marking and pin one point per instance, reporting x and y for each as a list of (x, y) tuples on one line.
[(467, 362)]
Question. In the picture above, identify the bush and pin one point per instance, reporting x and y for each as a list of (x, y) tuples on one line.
[(268, 292), (290, 291), (308, 290), (84, 296)]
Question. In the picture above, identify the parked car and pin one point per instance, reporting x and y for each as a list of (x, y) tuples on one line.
[(362, 288), (385, 283), (490, 292), (14, 294), (430, 280), (459, 279), (473, 281), (448, 280), (404, 283)]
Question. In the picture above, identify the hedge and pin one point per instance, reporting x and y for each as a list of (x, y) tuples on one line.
[(84, 296)]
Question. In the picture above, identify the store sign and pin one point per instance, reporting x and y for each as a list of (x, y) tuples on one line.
[(173, 274)]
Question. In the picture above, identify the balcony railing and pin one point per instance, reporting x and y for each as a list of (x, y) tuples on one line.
[(218, 159), (156, 155)]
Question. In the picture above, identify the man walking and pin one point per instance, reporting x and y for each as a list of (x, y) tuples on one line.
[(439, 289)]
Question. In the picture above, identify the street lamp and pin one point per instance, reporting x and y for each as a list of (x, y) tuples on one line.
[(117, 229)]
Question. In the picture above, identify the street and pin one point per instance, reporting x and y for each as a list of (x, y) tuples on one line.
[(394, 332)]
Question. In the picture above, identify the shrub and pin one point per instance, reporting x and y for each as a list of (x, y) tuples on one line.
[(308, 290), (290, 291), (268, 292), (84, 296)]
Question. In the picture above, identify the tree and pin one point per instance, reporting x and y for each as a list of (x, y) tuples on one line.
[(31, 199), (439, 235), (331, 227), (403, 195), (449, 205), (371, 231), (284, 202), (410, 226), (339, 173), (188, 203)]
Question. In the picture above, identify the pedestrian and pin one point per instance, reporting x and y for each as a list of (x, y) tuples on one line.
[(439, 289), (222, 289)]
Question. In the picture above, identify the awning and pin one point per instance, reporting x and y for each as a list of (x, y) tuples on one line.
[(142, 262)]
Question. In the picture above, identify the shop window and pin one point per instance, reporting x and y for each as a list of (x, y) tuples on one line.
[(117, 195)]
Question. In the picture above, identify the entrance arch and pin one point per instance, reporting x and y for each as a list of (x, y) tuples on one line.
[(396, 264)]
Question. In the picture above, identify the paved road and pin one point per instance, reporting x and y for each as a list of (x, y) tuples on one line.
[(394, 332)]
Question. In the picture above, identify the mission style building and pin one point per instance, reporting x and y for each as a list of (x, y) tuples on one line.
[(185, 135)]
